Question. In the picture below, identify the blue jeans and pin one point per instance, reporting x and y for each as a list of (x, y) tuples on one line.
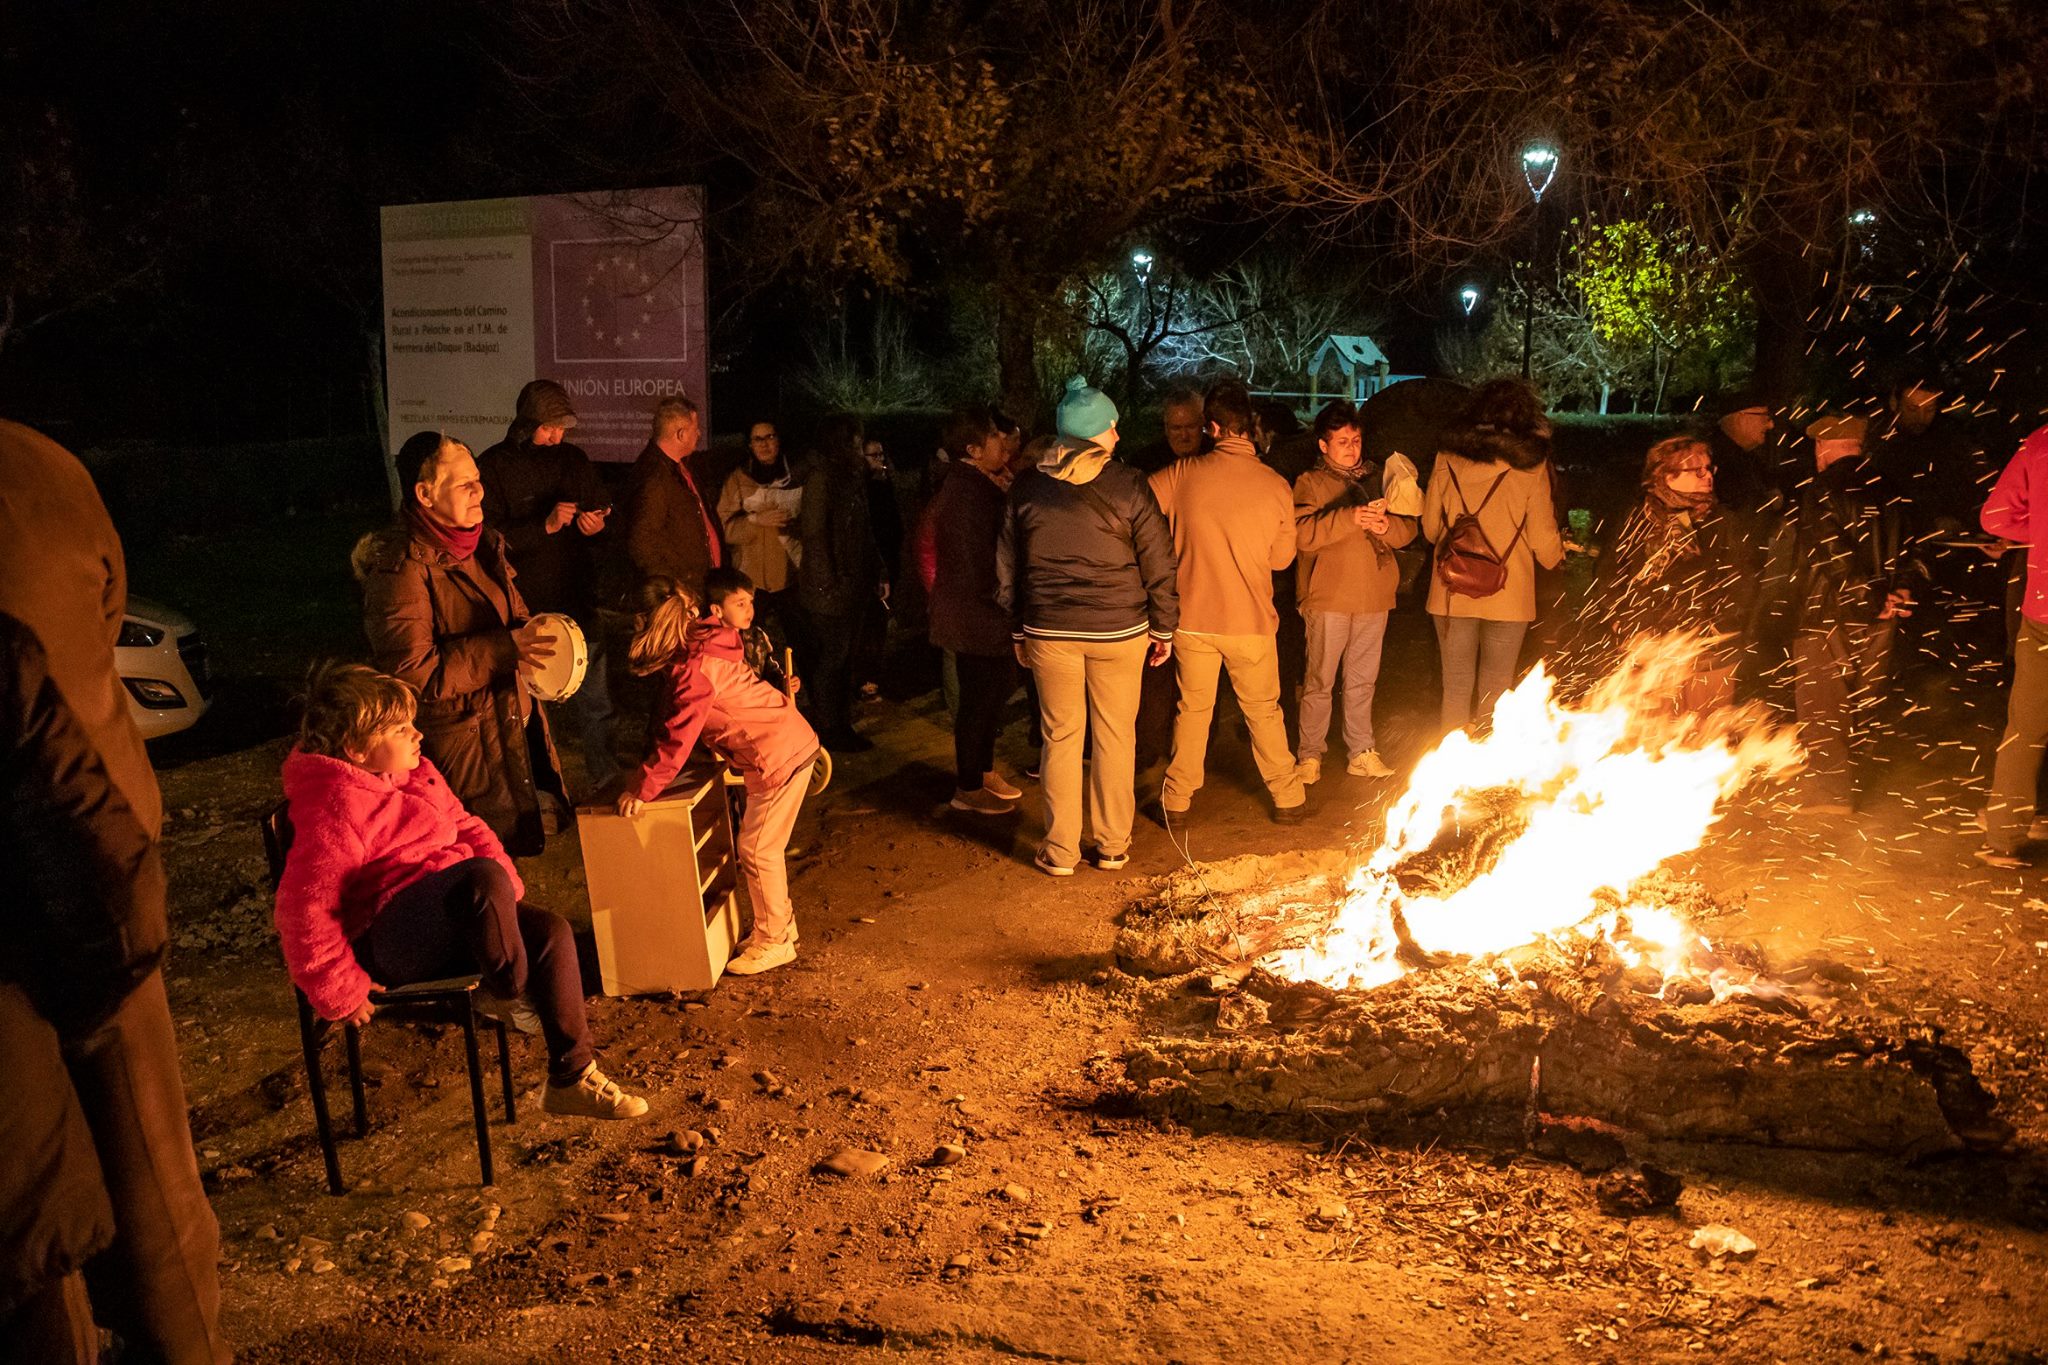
[(1476, 653), (590, 711), (1348, 643)]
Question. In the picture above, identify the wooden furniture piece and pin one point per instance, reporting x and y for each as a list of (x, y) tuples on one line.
[(448, 1001), (664, 887)]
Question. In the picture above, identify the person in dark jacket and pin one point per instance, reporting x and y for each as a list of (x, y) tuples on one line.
[(840, 579), (966, 620), (670, 530), (1680, 563), (1745, 469), (545, 497), (84, 962), (1085, 569), (1835, 579), (444, 615)]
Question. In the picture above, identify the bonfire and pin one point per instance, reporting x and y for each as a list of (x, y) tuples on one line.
[(1566, 802), (1514, 943)]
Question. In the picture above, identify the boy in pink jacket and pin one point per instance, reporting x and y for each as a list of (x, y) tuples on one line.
[(710, 691), (390, 880)]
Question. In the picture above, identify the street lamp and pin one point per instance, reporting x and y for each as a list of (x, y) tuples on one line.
[(1141, 261), (1469, 296), (1539, 168)]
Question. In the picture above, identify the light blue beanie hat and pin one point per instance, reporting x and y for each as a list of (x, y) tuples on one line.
[(1084, 413)]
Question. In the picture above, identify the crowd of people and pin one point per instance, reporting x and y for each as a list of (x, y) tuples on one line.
[(1116, 593)]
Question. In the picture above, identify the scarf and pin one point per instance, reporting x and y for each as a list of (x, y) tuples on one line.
[(1354, 480), (457, 542)]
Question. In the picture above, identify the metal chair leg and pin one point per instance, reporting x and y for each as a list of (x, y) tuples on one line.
[(354, 1038), (505, 1071), (323, 1127), (476, 1095)]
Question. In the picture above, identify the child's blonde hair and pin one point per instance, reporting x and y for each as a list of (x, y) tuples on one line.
[(661, 628), (348, 705)]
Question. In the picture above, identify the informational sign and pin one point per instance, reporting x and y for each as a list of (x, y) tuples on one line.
[(604, 294)]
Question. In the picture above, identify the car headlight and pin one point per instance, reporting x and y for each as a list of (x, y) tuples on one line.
[(135, 635)]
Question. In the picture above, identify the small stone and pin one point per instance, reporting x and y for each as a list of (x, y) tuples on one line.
[(450, 1265), (480, 1243), (1035, 1231), (767, 1080), (1718, 1239), (416, 1221), (852, 1161), (1331, 1212), (291, 1267), (322, 1267), (268, 1233), (683, 1142), (946, 1154), (719, 1106), (961, 1262), (1016, 1194), (615, 1219)]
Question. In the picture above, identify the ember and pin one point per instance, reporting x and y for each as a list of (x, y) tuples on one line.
[(1559, 803)]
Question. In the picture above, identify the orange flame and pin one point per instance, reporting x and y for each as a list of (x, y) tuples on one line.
[(1606, 790)]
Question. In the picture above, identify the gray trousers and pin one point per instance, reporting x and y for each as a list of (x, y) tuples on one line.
[(1478, 656), (2018, 767), (1350, 644)]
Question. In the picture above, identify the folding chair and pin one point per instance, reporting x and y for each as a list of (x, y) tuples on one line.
[(449, 1001)]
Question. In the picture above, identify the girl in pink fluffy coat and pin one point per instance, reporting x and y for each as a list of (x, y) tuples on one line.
[(390, 880), (709, 691)]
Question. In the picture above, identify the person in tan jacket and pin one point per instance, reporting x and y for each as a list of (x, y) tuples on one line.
[(759, 535), (1495, 466), (1345, 580), (1233, 528)]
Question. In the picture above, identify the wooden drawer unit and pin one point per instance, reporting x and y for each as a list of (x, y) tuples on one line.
[(664, 887)]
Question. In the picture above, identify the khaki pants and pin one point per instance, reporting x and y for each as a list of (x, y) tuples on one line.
[(2018, 767), (1086, 686), (1254, 664), (765, 828)]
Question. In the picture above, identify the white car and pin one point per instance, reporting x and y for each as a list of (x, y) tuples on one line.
[(162, 662)]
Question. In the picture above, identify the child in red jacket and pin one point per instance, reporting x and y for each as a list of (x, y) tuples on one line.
[(390, 880), (709, 691)]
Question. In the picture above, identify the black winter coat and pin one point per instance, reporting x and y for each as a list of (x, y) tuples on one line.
[(522, 484), (1840, 548), (842, 567), (1088, 561), (967, 520), (1665, 573), (446, 627)]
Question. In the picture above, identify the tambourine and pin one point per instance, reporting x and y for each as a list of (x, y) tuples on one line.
[(557, 677)]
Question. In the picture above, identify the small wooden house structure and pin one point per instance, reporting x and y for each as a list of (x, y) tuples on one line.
[(1362, 363)]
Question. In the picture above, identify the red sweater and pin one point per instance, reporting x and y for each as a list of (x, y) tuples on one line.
[(2009, 515), (358, 839), (712, 693)]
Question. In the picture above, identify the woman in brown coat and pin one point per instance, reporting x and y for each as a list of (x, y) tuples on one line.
[(443, 613), (1493, 468)]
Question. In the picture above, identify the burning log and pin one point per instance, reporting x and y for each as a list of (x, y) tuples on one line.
[(1566, 1027)]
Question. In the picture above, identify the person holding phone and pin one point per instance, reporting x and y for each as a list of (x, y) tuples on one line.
[(1346, 577), (543, 494)]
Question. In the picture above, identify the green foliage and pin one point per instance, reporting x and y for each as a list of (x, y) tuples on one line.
[(1650, 286)]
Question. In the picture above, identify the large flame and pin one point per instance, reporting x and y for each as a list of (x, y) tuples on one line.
[(1604, 790)]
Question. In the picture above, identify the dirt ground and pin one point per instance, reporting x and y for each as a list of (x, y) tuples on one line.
[(948, 993)]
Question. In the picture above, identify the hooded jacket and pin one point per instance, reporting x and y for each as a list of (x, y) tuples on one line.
[(522, 484), (1085, 553), (358, 839), (1233, 528), (713, 694)]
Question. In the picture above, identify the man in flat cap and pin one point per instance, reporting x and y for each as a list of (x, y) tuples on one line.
[(1835, 581)]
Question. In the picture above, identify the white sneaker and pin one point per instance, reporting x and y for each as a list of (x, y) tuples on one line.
[(995, 785), (760, 957), (1368, 764), (1050, 868), (1310, 771), (593, 1095)]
